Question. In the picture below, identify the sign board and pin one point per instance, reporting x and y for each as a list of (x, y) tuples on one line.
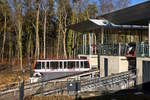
[(73, 86)]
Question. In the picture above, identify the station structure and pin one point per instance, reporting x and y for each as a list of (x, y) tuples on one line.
[(118, 41)]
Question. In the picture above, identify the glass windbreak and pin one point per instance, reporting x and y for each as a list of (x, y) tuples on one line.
[(54, 65), (38, 65)]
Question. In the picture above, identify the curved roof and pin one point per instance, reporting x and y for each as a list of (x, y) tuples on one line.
[(134, 15)]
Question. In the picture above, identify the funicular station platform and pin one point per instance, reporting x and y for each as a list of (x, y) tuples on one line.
[(120, 42), (117, 44)]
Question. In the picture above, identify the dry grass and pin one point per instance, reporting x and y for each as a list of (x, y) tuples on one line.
[(9, 78), (10, 74), (49, 98)]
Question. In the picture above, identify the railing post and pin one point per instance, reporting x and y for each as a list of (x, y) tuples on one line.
[(119, 49)]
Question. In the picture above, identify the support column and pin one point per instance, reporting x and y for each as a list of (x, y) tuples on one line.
[(102, 35), (85, 44), (92, 43), (95, 45), (89, 43), (149, 37)]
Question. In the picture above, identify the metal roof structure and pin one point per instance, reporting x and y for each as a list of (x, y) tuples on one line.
[(93, 24), (88, 25), (134, 15)]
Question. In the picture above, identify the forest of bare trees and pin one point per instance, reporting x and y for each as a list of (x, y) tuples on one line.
[(36, 29)]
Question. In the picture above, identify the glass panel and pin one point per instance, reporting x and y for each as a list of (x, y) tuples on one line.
[(71, 64), (47, 65), (54, 65), (60, 65), (82, 65), (86, 64), (65, 65), (43, 65), (38, 65), (77, 64)]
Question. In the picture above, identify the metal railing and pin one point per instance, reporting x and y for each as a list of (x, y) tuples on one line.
[(110, 80), (112, 49), (142, 50), (81, 51), (97, 82), (88, 50)]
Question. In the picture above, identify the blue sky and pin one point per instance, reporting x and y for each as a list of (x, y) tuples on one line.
[(133, 2)]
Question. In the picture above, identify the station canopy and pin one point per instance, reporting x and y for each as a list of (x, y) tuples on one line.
[(88, 25), (134, 17), (94, 24)]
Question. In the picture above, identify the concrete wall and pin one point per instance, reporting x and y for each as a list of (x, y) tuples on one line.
[(139, 71), (123, 64), (93, 60), (116, 64)]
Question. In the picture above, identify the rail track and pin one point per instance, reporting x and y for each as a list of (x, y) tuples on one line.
[(97, 82), (14, 87), (59, 85)]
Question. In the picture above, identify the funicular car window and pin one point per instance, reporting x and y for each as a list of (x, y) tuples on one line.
[(81, 64), (65, 65), (86, 64), (77, 64), (71, 64), (54, 65), (38, 65), (43, 65), (47, 65), (60, 65)]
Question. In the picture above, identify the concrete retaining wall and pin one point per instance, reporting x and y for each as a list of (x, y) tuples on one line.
[(116, 64)]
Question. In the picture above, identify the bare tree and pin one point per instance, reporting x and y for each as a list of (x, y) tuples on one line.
[(45, 8), (18, 23), (4, 10), (107, 6), (37, 48), (45, 19), (62, 13)]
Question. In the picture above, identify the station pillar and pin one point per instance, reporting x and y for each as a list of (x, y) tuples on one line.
[(149, 37)]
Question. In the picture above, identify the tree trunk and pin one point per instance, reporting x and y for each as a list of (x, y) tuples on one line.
[(29, 46), (64, 43), (58, 41), (20, 42), (37, 49), (45, 34), (64, 35), (4, 38), (10, 47)]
